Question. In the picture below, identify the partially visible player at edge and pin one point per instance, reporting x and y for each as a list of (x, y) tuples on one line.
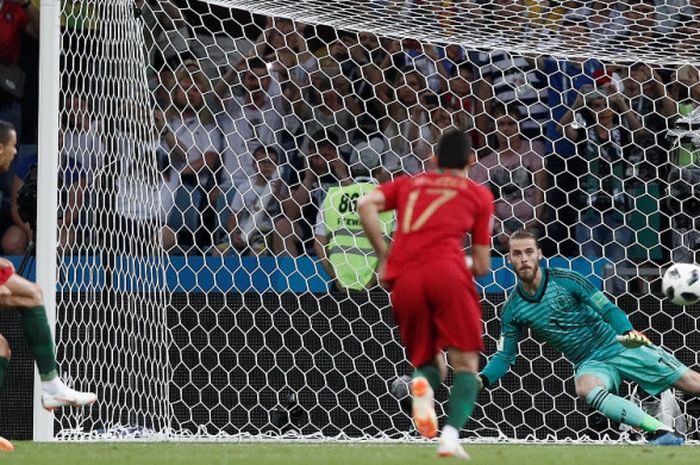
[(564, 309), (433, 294), (16, 293)]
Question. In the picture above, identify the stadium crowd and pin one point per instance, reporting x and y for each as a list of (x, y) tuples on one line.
[(256, 118)]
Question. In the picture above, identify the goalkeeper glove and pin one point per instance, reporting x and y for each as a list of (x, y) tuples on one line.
[(633, 339), (483, 381)]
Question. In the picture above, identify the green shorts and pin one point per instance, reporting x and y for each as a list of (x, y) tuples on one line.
[(654, 369)]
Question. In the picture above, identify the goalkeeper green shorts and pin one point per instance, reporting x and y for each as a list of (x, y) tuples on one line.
[(654, 369)]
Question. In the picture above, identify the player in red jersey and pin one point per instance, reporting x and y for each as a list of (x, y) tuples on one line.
[(17, 293), (433, 294)]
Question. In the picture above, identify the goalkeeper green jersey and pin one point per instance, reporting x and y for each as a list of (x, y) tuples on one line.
[(567, 312)]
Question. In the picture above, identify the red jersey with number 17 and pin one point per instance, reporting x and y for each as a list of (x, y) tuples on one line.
[(434, 213)]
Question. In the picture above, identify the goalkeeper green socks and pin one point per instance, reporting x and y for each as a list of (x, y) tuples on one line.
[(465, 388), (431, 373), (622, 410), (3, 367), (37, 333)]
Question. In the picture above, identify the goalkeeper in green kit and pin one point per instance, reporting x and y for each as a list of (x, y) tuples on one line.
[(563, 308)]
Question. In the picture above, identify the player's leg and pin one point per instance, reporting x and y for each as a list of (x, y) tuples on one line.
[(5, 445), (597, 382), (689, 382), (413, 318), (655, 370), (27, 297), (596, 394), (441, 365), (5, 354), (457, 319), (463, 392)]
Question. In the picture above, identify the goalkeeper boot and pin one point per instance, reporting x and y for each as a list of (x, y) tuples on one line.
[(665, 438), (5, 445), (423, 407), (451, 448), (55, 394)]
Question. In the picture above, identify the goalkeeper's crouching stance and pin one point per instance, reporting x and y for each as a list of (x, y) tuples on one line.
[(563, 308)]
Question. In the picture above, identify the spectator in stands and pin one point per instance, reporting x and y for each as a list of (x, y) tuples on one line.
[(18, 234), (507, 15), (392, 54), (17, 17), (375, 94), (332, 116), (257, 211), (459, 91), (425, 58), (192, 125), (134, 197), (639, 18), (459, 96), (166, 30), (514, 170), (347, 55), (574, 32), (80, 24), (344, 251), (451, 59), (682, 204), (80, 150), (337, 56), (332, 55), (365, 49), (323, 168), (253, 117), (343, 87), (683, 207), (79, 135), (170, 154), (545, 16), (603, 127), (670, 14), (685, 91), (282, 44), (565, 78), (687, 35), (507, 79), (442, 118), (651, 103), (139, 196), (408, 114), (604, 20)]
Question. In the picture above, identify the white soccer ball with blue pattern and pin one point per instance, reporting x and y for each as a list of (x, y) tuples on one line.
[(681, 284)]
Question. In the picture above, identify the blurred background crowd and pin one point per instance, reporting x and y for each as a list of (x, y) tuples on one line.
[(255, 118)]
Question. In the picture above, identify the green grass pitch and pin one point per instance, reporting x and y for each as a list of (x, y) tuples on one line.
[(340, 454)]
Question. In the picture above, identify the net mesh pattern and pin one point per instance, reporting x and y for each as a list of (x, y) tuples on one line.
[(199, 140)]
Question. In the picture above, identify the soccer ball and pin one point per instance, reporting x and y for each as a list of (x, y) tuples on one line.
[(681, 284)]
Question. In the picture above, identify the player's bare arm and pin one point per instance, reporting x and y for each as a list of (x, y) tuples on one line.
[(5, 263), (481, 260), (369, 206)]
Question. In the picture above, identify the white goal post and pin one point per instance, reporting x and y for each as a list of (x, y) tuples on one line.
[(194, 142), (46, 250)]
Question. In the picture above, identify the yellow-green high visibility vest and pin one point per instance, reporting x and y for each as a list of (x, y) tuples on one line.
[(687, 154), (349, 251)]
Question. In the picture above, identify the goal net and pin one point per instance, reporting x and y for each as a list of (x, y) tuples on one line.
[(199, 139)]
